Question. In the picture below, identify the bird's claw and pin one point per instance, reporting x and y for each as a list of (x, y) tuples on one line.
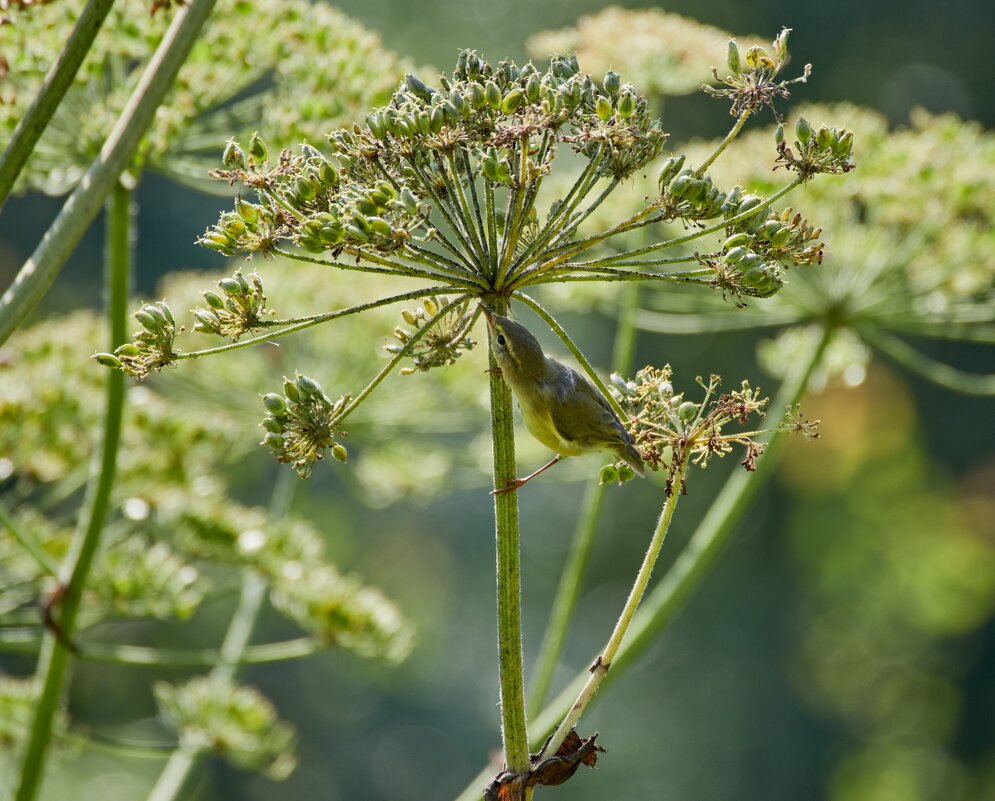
[(513, 484)]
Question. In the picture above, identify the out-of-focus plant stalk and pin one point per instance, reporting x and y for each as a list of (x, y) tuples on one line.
[(184, 759), (82, 206), (57, 83), (53, 663)]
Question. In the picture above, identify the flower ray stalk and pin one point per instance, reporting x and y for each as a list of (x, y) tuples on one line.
[(53, 662)]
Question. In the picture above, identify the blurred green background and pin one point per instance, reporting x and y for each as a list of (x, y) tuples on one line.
[(831, 653)]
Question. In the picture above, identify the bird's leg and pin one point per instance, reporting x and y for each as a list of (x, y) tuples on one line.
[(515, 483)]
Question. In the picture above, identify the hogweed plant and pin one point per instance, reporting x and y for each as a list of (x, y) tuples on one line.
[(447, 186)]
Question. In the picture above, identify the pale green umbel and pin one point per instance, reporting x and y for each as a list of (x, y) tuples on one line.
[(561, 408)]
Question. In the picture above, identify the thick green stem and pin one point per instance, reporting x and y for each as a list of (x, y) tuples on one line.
[(509, 584), (57, 82), (568, 591), (79, 210), (53, 663), (183, 760)]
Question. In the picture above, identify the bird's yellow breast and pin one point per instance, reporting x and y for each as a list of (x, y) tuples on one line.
[(536, 413)]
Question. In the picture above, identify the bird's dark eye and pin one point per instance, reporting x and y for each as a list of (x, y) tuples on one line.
[(500, 339)]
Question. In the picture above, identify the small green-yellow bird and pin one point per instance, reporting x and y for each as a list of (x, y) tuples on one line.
[(561, 408)]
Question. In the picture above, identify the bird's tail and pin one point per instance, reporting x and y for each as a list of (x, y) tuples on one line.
[(629, 454)]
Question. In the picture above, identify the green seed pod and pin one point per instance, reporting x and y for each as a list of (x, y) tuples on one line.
[(627, 104), (148, 321), (779, 135), (735, 240), (207, 321), (357, 233), (409, 318), (824, 138), (764, 279), (736, 254), (512, 101), (418, 88), (386, 189), (620, 384), (242, 283), (273, 440), (327, 174), (607, 474), (680, 185), (360, 221), (247, 211), (493, 95), (625, 473), (687, 411), (437, 119), (844, 145), (257, 149), (275, 404), (291, 391), (603, 108), (340, 453), (128, 349), (375, 122), (166, 312), (332, 234), (697, 190), (431, 308), (781, 238), (424, 122), (748, 261), (366, 205), (311, 243), (732, 58), (477, 96), (803, 131), (456, 98), (309, 387), (379, 225), (233, 157), (770, 228), (612, 82), (230, 286), (272, 425), (532, 87), (108, 360), (304, 189), (234, 227), (757, 56)]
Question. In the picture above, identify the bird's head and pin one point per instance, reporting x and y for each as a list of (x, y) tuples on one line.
[(517, 352)]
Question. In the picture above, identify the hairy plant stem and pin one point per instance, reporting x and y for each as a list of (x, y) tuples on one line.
[(606, 658), (37, 274), (184, 759), (57, 82), (53, 662), (568, 591), (691, 566), (509, 583)]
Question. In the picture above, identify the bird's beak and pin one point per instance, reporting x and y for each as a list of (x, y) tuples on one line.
[(488, 315)]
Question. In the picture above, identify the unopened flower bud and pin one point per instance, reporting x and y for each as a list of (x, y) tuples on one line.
[(732, 57), (803, 130), (430, 307), (603, 108), (257, 149), (233, 156)]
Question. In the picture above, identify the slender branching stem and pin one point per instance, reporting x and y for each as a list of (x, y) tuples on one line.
[(490, 212), (53, 662), (704, 276), (447, 213), (308, 322), (402, 353), (428, 257), (733, 133), (607, 657), (509, 584), (577, 352), (472, 183), (391, 268), (476, 235), (515, 221), (57, 82), (82, 206)]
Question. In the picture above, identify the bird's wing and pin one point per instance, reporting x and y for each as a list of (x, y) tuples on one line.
[(590, 421)]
